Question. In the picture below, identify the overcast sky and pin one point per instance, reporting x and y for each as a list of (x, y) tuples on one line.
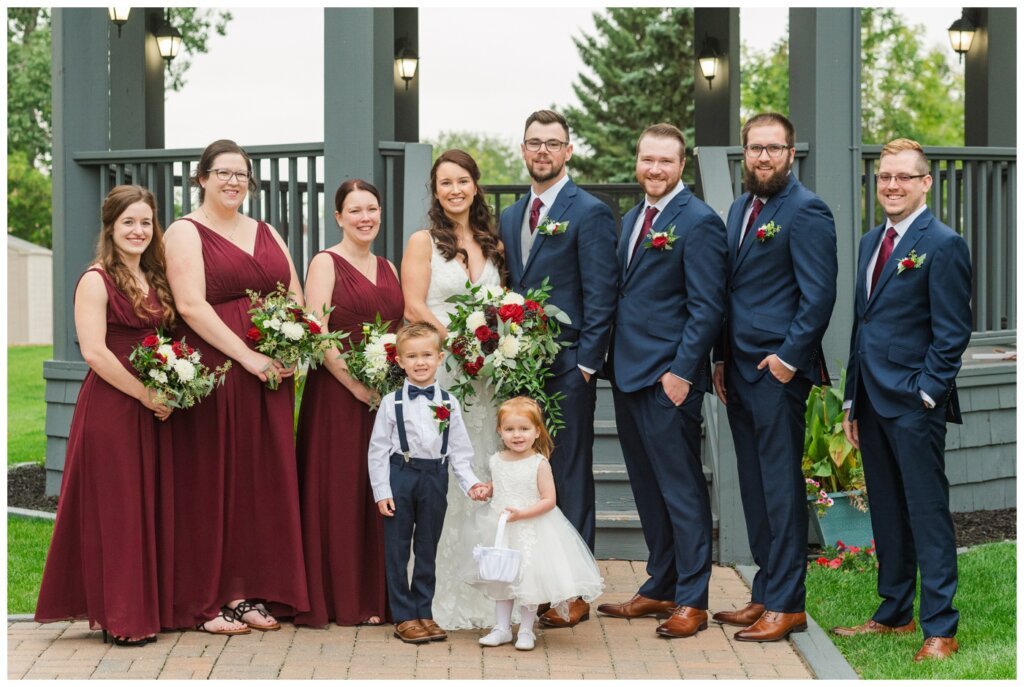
[(480, 70)]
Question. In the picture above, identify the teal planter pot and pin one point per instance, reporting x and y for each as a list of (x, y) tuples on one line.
[(841, 522)]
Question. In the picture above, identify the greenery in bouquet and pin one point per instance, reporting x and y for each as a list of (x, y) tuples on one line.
[(285, 331), (507, 340), (174, 370), (372, 361), (829, 458)]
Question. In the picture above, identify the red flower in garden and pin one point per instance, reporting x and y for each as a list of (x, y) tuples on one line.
[(314, 328), (840, 545), (151, 341), (253, 334), (511, 311), (659, 242), (835, 563), (483, 333), (821, 560)]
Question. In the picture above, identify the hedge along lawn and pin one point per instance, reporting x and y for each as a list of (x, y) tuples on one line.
[(986, 598), (28, 540), (26, 403)]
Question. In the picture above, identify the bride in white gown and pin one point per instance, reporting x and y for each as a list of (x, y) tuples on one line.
[(461, 248)]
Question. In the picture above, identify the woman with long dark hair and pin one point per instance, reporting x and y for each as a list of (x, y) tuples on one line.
[(102, 564), (460, 249)]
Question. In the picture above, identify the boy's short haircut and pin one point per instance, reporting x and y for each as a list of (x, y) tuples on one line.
[(416, 330)]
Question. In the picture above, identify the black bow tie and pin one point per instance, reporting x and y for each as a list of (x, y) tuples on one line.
[(415, 391)]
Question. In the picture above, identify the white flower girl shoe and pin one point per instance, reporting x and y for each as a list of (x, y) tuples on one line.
[(525, 641), (497, 637)]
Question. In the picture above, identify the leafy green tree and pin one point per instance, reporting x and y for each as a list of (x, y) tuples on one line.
[(500, 161), (906, 90), (641, 72), (28, 200)]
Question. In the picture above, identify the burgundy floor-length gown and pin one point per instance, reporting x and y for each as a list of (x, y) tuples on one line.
[(343, 533), (237, 525), (102, 564)]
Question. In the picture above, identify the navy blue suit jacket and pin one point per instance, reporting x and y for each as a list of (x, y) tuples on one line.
[(580, 266), (671, 302), (782, 289), (911, 334)]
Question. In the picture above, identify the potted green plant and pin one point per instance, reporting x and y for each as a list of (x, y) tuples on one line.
[(833, 471)]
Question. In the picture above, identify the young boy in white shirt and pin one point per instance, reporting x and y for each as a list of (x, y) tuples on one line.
[(418, 430)]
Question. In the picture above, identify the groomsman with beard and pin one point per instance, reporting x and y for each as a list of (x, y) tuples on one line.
[(560, 232), (672, 266), (782, 286)]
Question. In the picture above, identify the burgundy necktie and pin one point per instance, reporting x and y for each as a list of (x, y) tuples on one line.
[(750, 222), (883, 256), (645, 229), (535, 214)]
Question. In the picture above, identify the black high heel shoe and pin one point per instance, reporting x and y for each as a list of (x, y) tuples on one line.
[(109, 638)]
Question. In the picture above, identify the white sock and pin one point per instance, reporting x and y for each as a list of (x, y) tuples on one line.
[(503, 612), (526, 619)]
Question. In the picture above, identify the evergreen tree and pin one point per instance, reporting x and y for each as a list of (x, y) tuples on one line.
[(641, 73), (500, 161)]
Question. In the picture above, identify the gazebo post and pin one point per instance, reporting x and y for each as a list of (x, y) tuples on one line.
[(990, 98)]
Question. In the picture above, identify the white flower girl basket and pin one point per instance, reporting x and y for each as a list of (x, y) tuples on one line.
[(494, 563)]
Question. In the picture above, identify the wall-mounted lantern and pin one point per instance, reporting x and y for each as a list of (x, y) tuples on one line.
[(119, 15), (708, 59), (961, 34), (168, 38), (406, 60)]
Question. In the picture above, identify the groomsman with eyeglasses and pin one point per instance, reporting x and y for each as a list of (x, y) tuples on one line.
[(780, 293), (912, 324)]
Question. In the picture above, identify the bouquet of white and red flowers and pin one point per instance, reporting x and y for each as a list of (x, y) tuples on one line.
[(174, 370), (372, 360), (286, 332), (508, 341)]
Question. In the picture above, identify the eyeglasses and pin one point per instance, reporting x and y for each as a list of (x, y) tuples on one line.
[(226, 174), (754, 150), (553, 145), (900, 179)]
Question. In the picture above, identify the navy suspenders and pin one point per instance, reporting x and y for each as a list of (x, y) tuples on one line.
[(403, 439)]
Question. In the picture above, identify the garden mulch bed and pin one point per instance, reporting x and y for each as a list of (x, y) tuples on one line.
[(26, 485)]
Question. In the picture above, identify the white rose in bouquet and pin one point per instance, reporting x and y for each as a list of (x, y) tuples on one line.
[(274, 324), (292, 330), (512, 298), (475, 320), (185, 370), (509, 346), (493, 292), (166, 351)]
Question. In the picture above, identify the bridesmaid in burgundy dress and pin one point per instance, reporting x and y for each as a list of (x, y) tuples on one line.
[(103, 556), (343, 536), (237, 538)]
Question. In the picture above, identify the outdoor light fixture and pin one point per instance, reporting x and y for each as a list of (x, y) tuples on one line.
[(961, 35), (406, 60), (119, 15), (168, 38), (708, 59)]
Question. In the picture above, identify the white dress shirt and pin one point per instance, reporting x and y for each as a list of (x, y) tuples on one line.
[(639, 223), (901, 229), (424, 439)]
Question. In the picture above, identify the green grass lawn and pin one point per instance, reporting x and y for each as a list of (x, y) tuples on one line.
[(26, 404), (986, 599), (28, 540)]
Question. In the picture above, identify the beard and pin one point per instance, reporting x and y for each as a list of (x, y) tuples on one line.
[(770, 186), (541, 178)]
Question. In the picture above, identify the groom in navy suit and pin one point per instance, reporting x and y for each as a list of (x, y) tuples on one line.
[(672, 268), (912, 324), (782, 286), (560, 232)]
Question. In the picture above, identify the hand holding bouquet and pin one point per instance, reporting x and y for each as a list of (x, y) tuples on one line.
[(507, 340), (372, 360), (173, 369), (286, 332)]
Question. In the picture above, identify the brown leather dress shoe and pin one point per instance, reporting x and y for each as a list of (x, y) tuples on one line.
[(412, 632), (773, 626), (873, 628), (685, 621), (638, 607), (938, 648), (741, 617), (434, 630), (579, 610)]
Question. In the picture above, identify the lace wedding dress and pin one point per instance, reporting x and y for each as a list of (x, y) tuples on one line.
[(457, 605)]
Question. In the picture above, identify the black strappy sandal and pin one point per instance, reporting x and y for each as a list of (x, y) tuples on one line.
[(244, 607), (111, 638), (227, 614)]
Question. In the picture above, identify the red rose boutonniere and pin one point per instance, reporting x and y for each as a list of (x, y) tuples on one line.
[(662, 240), (767, 231), (442, 413), (553, 228), (913, 261)]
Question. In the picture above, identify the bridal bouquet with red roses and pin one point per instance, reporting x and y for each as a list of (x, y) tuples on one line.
[(174, 369), (285, 331), (373, 362), (507, 340)]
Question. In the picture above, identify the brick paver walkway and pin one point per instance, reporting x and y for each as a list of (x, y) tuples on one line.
[(600, 648)]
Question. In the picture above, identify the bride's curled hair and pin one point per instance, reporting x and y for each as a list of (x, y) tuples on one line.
[(481, 219)]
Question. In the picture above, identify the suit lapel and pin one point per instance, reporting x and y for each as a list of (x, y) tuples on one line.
[(734, 228), (767, 214), (661, 223), (863, 260), (557, 211), (914, 234), (628, 222), (514, 244)]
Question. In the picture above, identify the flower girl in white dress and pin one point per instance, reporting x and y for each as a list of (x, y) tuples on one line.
[(556, 564)]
